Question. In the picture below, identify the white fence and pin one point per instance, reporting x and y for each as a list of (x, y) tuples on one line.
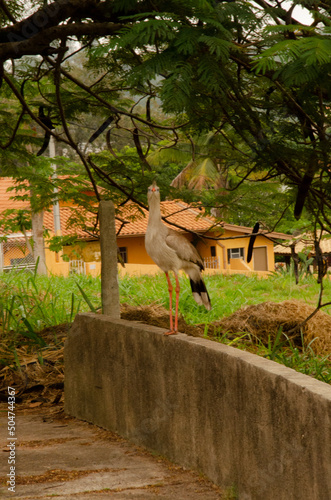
[(77, 267), (212, 262)]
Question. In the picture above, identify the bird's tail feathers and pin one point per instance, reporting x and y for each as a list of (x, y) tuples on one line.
[(200, 293)]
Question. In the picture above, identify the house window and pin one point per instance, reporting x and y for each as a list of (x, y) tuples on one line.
[(235, 253), (124, 254), (213, 251)]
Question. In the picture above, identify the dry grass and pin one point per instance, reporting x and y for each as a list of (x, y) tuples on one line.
[(36, 373), (264, 320), (157, 315)]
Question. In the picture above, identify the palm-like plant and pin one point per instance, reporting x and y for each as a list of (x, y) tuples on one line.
[(203, 170)]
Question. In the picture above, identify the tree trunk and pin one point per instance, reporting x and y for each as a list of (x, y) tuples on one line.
[(295, 259), (37, 220), (27, 241)]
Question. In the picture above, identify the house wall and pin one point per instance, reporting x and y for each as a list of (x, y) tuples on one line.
[(89, 252), (239, 265), (136, 251), (222, 246), (55, 264), (260, 241), (137, 254)]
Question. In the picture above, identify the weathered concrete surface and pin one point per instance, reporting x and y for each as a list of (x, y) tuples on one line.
[(110, 297), (71, 459), (241, 419)]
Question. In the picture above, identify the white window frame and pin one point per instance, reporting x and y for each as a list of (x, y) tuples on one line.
[(236, 253)]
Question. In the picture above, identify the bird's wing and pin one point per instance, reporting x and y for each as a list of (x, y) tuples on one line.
[(184, 249)]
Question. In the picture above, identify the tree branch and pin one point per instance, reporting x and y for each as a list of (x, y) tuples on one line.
[(39, 44)]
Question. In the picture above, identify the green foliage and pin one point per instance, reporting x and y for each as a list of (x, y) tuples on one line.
[(124, 167), (56, 243), (243, 71), (15, 221), (302, 360), (87, 300), (270, 203), (297, 61), (305, 262)]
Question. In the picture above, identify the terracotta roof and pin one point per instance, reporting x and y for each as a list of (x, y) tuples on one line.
[(5, 196), (66, 214), (303, 243), (177, 211), (185, 216)]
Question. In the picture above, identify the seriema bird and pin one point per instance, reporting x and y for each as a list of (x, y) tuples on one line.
[(171, 251)]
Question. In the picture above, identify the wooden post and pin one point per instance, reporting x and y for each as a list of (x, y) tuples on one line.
[(109, 277), (295, 259)]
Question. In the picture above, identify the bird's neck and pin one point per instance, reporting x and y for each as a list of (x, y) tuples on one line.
[(154, 211)]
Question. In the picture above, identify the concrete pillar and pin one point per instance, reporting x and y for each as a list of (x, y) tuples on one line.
[(56, 206), (108, 245)]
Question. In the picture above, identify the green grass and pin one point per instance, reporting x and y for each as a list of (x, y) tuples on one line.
[(228, 293), (39, 300), (30, 303)]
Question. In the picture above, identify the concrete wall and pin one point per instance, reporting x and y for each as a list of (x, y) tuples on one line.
[(242, 420)]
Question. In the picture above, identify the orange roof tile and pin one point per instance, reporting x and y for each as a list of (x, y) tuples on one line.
[(176, 211), (6, 201)]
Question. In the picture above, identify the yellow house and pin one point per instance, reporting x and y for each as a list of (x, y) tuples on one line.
[(223, 246)]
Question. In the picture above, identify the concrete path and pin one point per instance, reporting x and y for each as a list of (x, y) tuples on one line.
[(69, 459)]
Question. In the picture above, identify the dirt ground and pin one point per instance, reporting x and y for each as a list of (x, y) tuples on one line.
[(71, 459)]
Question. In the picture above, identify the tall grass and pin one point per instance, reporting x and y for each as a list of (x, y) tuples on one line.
[(30, 303)]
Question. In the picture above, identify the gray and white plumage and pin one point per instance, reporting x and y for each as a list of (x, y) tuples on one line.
[(171, 251)]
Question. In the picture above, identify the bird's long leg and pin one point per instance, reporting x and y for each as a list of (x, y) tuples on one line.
[(171, 332), (177, 289)]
